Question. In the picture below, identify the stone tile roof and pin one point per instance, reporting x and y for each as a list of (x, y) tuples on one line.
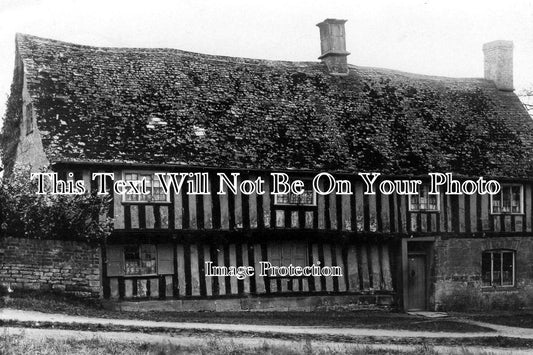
[(166, 106)]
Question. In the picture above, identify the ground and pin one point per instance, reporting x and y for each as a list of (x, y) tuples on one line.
[(372, 319), (29, 343), (58, 324), (522, 319)]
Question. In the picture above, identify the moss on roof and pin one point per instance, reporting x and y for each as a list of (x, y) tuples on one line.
[(170, 106)]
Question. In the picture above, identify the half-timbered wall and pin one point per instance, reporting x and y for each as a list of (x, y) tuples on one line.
[(366, 268), (359, 232), (379, 213)]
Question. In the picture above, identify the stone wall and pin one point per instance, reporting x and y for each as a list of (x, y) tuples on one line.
[(68, 266), (308, 303), (458, 272)]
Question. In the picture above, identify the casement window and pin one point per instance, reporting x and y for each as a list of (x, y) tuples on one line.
[(307, 198), (508, 200), (424, 201), (153, 186), (139, 260), (286, 253), (498, 268), (28, 119)]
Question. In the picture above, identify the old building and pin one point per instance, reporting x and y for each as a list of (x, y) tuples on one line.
[(135, 112)]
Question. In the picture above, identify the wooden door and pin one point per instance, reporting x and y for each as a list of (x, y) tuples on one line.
[(416, 276)]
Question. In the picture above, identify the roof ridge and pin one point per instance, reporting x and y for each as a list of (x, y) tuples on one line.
[(243, 60), (19, 37), (416, 75)]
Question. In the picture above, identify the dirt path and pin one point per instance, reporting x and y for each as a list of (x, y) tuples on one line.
[(191, 334), (32, 316), (191, 340), (504, 330)]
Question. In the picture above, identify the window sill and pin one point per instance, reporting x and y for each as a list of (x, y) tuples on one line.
[(507, 214), (424, 211), (498, 288), (139, 276), (294, 204)]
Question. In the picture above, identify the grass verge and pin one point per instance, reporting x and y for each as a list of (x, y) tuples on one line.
[(483, 341), (522, 319), (64, 304), (20, 344)]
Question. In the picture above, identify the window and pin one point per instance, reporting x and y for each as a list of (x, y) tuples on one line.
[(153, 186), (140, 260), (508, 200), (497, 268), (307, 198), (28, 119), (424, 201), (286, 253)]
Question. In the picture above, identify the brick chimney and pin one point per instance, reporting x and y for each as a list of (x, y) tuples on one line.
[(333, 46), (499, 64)]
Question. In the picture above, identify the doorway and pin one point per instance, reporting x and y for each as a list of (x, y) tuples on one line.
[(416, 282)]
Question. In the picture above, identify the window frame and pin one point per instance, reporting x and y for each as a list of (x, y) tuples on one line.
[(428, 194), (501, 192), (147, 201), (139, 246), (501, 252), (313, 204)]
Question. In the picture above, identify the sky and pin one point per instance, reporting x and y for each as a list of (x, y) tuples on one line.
[(436, 37)]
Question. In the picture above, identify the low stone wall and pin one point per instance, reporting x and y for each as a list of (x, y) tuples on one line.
[(458, 274), (68, 266), (260, 304)]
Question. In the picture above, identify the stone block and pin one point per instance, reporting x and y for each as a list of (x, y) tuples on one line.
[(228, 305), (59, 287), (147, 306), (198, 305)]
